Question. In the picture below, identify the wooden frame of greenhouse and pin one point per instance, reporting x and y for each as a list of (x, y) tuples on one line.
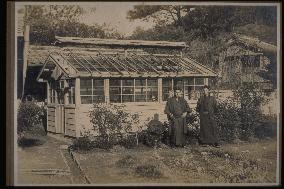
[(77, 77)]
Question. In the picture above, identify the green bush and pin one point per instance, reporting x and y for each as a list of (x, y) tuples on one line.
[(111, 120), (155, 134), (29, 116), (228, 121), (193, 125), (250, 99), (82, 144), (240, 117), (130, 141)]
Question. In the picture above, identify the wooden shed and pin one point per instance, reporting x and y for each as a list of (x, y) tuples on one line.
[(77, 77), (244, 58)]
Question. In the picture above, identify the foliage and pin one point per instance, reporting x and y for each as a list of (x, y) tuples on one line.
[(149, 171), (250, 99), (47, 21), (228, 120), (25, 142), (240, 116), (161, 14), (155, 134), (192, 120), (130, 141), (82, 144), (110, 120), (29, 115)]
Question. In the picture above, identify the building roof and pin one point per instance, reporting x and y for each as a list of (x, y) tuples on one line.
[(120, 43), (254, 42), (96, 64)]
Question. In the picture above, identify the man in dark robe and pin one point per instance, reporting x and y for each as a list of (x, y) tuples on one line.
[(206, 107), (176, 110)]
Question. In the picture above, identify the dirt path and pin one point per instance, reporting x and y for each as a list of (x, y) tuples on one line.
[(46, 163)]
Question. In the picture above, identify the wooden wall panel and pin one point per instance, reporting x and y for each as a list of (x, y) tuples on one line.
[(70, 121)]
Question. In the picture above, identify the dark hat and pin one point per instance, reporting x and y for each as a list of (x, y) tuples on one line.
[(206, 87)]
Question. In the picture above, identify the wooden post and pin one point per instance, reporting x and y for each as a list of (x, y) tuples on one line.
[(65, 93), (77, 92), (160, 90), (106, 91), (26, 50), (206, 81), (47, 93)]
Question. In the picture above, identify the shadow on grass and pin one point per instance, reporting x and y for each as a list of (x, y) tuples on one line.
[(25, 142)]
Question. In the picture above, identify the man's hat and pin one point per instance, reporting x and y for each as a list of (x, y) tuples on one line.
[(206, 87)]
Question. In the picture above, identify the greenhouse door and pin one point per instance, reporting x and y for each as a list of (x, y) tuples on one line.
[(60, 125)]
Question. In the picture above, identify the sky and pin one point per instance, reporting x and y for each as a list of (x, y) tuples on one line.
[(114, 15)]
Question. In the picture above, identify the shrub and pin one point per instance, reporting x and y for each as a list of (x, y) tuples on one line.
[(193, 125), (29, 142), (250, 99), (240, 116), (82, 144), (149, 171), (29, 116), (103, 143), (129, 141), (228, 121), (110, 120), (155, 134)]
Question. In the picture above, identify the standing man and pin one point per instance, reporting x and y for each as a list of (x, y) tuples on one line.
[(206, 107), (176, 110)]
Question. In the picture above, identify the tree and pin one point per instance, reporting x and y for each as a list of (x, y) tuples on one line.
[(161, 14), (63, 20)]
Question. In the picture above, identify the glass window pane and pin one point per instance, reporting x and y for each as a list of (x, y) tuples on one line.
[(98, 82), (165, 96), (115, 82), (85, 86), (114, 90), (189, 81), (199, 81), (140, 90), (127, 98), (167, 86), (167, 83), (86, 99), (152, 82), (99, 91), (140, 98), (187, 92), (127, 90), (98, 98), (115, 98), (128, 82), (140, 82)]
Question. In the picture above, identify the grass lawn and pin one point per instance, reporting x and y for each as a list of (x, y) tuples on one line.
[(233, 163)]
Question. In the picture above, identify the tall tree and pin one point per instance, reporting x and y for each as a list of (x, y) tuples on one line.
[(62, 20), (161, 14)]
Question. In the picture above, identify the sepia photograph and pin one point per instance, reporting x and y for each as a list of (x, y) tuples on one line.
[(147, 94)]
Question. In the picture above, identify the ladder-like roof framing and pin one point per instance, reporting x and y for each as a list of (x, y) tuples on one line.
[(134, 65)]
